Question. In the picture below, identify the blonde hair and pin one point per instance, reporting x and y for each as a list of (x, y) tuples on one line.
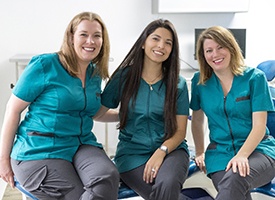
[(67, 54), (226, 39)]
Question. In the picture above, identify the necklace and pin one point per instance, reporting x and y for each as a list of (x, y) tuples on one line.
[(150, 83)]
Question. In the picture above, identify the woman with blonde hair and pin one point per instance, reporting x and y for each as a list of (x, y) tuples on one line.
[(55, 155), (235, 99)]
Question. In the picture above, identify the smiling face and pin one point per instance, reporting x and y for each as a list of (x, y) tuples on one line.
[(87, 41), (158, 46), (217, 56)]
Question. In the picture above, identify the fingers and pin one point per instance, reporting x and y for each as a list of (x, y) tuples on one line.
[(153, 175), (244, 169), (200, 163), (241, 167), (9, 180), (150, 174)]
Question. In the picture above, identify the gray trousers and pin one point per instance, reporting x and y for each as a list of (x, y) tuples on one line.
[(91, 176), (168, 183), (232, 186)]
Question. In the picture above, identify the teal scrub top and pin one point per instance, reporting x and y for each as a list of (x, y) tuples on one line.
[(230, 117), (59, 117), (144, 129)]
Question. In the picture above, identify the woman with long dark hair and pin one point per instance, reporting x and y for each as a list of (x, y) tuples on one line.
[(152, 155)]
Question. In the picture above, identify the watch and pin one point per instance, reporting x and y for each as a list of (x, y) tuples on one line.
[(164, 148)]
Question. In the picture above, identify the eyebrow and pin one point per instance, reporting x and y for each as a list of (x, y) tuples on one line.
[(171, 40), (84, 31)]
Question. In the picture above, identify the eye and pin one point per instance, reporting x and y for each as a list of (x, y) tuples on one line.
[(208, 50), (83, 34), (169, 43), (155, 38), (98, 35)]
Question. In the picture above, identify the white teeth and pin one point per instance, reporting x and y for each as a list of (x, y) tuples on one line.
[(89, 49), (158, 52), (218, 60)]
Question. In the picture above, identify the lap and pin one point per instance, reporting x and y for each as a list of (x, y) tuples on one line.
[(48, 178), (91, 162), (261, 171), (61, 179)]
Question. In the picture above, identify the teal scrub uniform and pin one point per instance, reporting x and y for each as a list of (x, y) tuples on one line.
[(59, 118), (230, 117), (144, 130)]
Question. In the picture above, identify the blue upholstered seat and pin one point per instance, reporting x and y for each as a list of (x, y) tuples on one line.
[(268, 67)]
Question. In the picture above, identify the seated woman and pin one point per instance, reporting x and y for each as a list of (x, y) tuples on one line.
[(235, 98)]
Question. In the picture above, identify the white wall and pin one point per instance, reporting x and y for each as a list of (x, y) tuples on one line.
[(35, 26)]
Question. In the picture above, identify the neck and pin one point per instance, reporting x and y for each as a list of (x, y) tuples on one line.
[(152, 69), (226, 81)]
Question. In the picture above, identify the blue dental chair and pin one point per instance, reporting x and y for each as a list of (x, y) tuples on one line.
[(268, 67)]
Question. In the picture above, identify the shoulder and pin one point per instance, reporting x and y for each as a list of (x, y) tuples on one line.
[(253, 73), (45, 56), (195, 78), (120, 73), (44, 59), (182, 80), (182, 84)]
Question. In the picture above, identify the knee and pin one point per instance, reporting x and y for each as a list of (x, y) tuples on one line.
[(114, 174), (233, 180)]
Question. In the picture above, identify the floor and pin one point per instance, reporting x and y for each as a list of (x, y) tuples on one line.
[(12, 194)]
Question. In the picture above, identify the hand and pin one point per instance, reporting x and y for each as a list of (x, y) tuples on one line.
[(240, 163), (152, 166), (6, 172), (200, 162)]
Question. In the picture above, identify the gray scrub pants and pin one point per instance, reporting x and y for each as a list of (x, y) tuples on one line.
[(232, 186), (168, 183), (91, 176)]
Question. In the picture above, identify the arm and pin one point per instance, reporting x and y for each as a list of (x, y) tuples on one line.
[(106, 115), (172, 143), (197, 127), (14, 108), (255, 136)]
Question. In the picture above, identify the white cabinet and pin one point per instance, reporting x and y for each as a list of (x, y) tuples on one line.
[(200, 6)]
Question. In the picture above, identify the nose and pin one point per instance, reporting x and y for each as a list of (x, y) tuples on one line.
[(161, 44), (90, 40), (215, 52)]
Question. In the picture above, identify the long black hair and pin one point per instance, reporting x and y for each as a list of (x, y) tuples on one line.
[(133, 62)]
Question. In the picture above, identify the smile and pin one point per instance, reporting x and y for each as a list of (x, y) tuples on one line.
[(159, 53), (89, 49), (218, 61)]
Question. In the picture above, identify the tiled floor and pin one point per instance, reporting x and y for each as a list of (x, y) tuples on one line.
[(12, 194)]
